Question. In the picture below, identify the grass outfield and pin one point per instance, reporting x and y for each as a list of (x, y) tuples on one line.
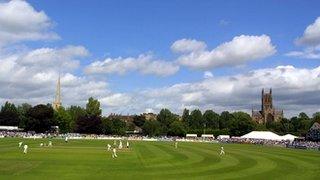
[(88, 159)]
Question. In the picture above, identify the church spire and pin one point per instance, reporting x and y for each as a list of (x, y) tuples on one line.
[(57, 100)]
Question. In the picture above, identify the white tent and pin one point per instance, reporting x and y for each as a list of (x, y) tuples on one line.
[(289, 137), (223, 137), (267, 135), (207, 136), (191, 135)]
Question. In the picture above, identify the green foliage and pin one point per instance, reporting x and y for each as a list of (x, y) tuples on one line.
[(225, 120), (39, 118), (9, 115), (93, 107), (211, 119), (139, 120), (241, 124), (75, 112), (64, 120), (89, 124), (177, 129), (196, 120), (151, 128)]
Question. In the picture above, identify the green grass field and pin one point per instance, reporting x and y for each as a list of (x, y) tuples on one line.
[(88, 159)]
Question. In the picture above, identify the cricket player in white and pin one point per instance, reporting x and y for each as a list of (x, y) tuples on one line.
[(66, 139), (114, 153), (109, 147), (222, 151), (41, 144), (25, 149), (120, 145), (127, 144), (20, 144), (176, 144), (50, 144), (114, 142)]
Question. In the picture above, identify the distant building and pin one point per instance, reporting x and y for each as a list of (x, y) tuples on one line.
[(314, 132), (267, 113), (125, 118), (57, 101), (150, 116)]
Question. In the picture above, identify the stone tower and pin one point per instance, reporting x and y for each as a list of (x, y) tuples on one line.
[(268, 113), (57, 100)]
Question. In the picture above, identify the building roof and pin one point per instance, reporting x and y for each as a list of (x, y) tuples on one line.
[(267, 135), (315, 126)]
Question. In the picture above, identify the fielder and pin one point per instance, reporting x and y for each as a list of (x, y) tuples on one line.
[(222, 151), (120, 145), (41, 144), (176, 144), (114, 153), (114, 142), (66, 139), (109, 147), (20, 144), (50, 144), (25, 149), (127, 144)]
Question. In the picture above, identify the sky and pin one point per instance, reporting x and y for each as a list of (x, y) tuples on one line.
[(142, 56)]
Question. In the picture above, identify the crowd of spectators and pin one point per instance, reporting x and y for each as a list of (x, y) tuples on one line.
[(301, 144)]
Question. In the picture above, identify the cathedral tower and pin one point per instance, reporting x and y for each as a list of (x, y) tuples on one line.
[(57, 100)]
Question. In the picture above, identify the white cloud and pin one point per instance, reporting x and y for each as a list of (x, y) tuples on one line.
[(116, 100), (311, 35), (295, 90), (19, 21), (187, 45), (144, 64), (308, 53), (236, 52), (62, 58), (311, 41), (207, 74)]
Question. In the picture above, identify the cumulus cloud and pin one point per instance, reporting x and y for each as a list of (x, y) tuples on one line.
[(311, 40), (145, 64), (187, 45), (20, 21), (238, 51), (311, 35), (295, 90), (62, 58)]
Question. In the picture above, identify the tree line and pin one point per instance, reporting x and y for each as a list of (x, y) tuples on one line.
[(41, 118)]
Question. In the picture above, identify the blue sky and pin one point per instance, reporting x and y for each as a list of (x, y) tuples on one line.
[(129, 28), (112, 29)]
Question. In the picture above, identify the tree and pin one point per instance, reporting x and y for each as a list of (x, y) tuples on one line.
[(241, 124), (316, 117), (151, 128), (63, 119), (93, 107), (107, 125), (165, 117), (39, 118), (225, 119), (211, 119), (185, 117), (89, 124), (22, 111), (139, 120), (118, 127), (75, 112), (9, 115), (177, 129), (196, 120)]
